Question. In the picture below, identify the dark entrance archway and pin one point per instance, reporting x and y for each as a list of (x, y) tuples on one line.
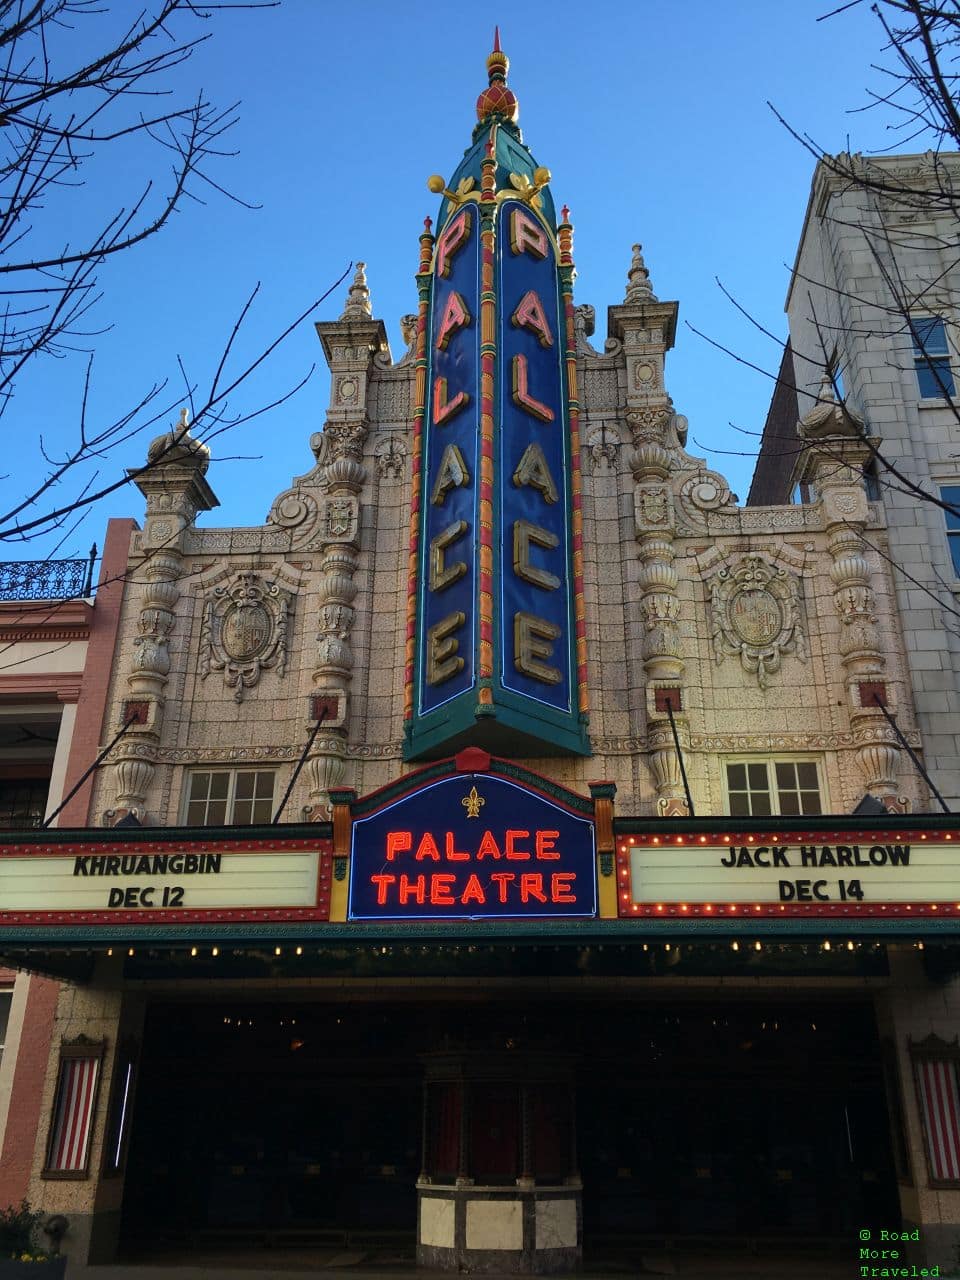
[(264, 1121)]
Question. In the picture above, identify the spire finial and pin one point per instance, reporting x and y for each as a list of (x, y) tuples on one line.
[(498, 99), (639, 288), (358, 297)]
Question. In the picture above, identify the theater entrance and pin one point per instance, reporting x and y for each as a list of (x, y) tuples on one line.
[(265, 1123)]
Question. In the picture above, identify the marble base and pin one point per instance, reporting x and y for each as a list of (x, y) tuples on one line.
[(520, 1230)]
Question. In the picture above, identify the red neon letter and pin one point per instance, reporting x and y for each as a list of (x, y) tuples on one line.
[(440, 894), (455, 855), (521, 396), (488, 847), (453, 237), (382, 883), (545, 843), (455, 316), (427, 848), (530, 315), (531, 886), (526, 235), (517, 855), (474, 892), (415, 889), (561, 884), (502, 879), (398, 842), (444, 409)]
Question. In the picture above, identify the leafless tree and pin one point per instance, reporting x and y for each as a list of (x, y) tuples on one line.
[(903, 214), (80, 81)]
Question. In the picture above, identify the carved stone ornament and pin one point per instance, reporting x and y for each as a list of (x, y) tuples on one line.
[(756, 614), (703, 495), (341, 518), (390, 456), (244, 631), (603, 446), (653, 507)]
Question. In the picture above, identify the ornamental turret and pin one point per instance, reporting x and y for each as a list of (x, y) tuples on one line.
[(496, 642)]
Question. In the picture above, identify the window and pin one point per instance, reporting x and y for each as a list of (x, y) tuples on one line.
[(931, 357), (74, 1108), (935, 1063), (764, 788), (229, 797), (951, 493), (22, 802), (803, 493), (871, 481)]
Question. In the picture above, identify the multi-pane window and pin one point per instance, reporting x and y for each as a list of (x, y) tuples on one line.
[(950, 493), (22, 802), (764, 788), (931, 357), (229, 797)]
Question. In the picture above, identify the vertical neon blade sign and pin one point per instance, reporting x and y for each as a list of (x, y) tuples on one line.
[(535, 624), (448, 563)]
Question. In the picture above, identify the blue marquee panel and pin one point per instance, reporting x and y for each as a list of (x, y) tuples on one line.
[(472, 847)]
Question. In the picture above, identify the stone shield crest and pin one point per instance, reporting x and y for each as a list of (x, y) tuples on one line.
[(245, 631), (757, 615)]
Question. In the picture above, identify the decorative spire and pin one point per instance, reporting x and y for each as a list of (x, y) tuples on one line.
[(830, 417), (358, 297), (639, 288), (498, 99)]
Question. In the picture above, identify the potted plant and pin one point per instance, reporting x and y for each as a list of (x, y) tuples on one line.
[(20, 1258)]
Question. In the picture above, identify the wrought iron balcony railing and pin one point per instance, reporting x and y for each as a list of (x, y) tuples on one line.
[(47, 579)]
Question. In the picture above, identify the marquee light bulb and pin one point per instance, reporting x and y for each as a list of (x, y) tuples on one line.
[(735, 946), (214, 951), (193, 951), (276, 951)]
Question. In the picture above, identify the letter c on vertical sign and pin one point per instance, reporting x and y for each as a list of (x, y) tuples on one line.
[(525, 533), (443, 575)]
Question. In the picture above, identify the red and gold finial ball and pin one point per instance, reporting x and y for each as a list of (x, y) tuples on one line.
[(500, 101)]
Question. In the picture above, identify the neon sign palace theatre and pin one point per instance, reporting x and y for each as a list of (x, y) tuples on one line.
[(448, 953), (496, 641)]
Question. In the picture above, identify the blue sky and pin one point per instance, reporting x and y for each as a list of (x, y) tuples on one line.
[(651, 116)]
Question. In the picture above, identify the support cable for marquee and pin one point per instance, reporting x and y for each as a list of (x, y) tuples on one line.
[(676, 743), (132, 719), (917, 763), (300, 763)]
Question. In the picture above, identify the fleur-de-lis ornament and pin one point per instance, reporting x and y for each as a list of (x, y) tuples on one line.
[(472, 802)]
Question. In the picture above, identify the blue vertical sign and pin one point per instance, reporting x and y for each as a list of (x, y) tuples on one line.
[(536, 589), (447, 619)]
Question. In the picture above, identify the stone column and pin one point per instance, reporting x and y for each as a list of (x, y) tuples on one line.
[(646, 328), (350, 345), (175, 489), (834, 456)]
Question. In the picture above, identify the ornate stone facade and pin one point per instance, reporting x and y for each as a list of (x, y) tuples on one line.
[(728, 631)]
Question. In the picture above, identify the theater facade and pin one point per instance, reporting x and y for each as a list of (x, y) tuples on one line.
[(513, 844)]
